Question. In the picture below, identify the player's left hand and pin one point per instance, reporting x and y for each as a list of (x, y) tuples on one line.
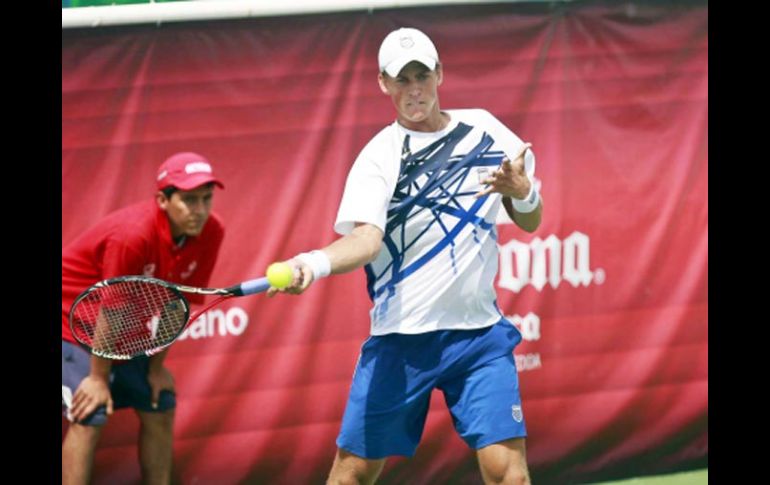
[(92, 392), (159, 379), (510, 179)]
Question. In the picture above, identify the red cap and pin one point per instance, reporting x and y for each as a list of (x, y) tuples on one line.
[(186, 171)]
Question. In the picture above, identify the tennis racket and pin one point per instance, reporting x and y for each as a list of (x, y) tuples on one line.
[(130, 316)]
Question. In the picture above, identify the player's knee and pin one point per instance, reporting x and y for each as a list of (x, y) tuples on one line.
[(157, 422), (518, 476), (505, 474), (166, 421), (343, 478), (167, 417), (83, 435), (512, 478), (349, 469), (349, 475)]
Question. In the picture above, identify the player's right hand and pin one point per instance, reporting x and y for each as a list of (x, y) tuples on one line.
[(303, 277), (91, 393)]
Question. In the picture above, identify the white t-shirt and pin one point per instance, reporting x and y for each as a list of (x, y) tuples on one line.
[(439, 255)]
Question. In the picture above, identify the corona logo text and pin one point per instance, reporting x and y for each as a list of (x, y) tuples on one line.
[(547, 261)]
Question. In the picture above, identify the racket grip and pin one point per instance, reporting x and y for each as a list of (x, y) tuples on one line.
[(254, 286)]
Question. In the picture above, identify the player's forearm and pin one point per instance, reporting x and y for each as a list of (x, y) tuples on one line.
[(100, 367), (349, 252), (354, 250), (528, 221), (156, 361)]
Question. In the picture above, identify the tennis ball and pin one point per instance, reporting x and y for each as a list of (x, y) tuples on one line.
[(279, 275)]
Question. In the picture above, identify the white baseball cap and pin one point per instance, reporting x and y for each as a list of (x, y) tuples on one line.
[(403, 46)]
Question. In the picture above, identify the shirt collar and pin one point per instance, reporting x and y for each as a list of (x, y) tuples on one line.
[(164, 229)]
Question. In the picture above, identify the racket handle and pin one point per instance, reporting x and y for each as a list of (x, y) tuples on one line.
[(250, 287)]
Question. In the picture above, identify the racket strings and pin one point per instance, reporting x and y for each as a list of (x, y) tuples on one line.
[(129, 318)]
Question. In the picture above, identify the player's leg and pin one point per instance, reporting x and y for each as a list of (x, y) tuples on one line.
[(351, 469), (504, 462), (77, 453), (156, 425), (485, 403), (387, 405), (79, 446), (156, 446)]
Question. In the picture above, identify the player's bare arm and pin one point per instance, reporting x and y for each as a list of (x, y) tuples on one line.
[(345, 254), (358, 248), (528, 221)]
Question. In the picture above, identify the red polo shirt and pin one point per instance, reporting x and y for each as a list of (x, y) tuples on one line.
[(136, 240)]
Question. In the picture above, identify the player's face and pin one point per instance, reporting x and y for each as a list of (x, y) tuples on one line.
[(187, 210), (414, 93)]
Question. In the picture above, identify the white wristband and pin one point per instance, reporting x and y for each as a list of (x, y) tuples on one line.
[(530, 202), (318, 262)]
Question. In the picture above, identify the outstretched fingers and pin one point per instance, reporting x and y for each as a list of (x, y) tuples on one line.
[(501, 180)]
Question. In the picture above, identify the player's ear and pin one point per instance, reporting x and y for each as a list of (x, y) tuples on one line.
[(439, 74), (161, 199), (381, 82)]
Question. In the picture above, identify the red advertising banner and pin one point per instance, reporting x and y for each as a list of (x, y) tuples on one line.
[(610, 293)]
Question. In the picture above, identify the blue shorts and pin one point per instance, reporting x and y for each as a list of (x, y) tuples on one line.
[(128, 384), (396, 373)]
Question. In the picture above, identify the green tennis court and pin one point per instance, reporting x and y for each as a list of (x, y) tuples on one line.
[(696, 477)]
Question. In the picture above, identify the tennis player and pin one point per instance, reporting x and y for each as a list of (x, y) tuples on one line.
[(418, 212)]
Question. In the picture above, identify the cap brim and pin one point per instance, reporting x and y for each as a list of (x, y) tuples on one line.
[(395, 66), (194, 182)]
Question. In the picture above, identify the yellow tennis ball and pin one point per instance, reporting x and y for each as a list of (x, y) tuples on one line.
[(279, 275)]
